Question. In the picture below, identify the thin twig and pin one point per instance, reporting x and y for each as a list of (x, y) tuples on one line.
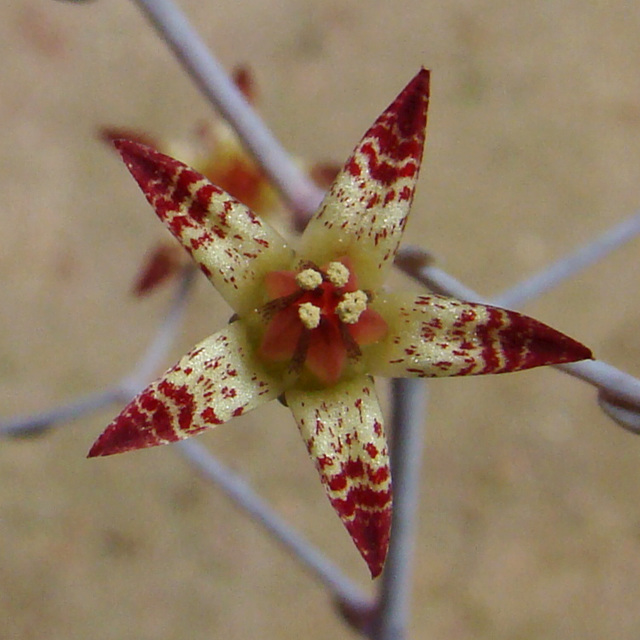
[(243, 495), (301, 194), (418, 264), (569, 265), (619, 392), (407, 425), (38, 423), (122, 391), (165, 335)]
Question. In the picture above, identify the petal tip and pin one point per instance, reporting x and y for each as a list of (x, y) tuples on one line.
[(548, 346), (370, 532), (409, 109), (366, 511), (127, 146), (111, 135), (579, 351), (118, 437), (144, 161), (134, 429)]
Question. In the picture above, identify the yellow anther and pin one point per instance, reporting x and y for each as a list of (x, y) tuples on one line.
[(337, 274), (309, 315), (309, 279), (351, 306)]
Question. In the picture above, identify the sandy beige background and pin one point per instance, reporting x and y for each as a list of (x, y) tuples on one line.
[(530, 516)]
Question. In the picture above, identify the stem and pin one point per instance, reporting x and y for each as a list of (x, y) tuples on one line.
[(243, 495), (619, 392), (569, 265), (38, 423), (166, 332), (416, 263), (301, 194), (407, 420), (126, 388)]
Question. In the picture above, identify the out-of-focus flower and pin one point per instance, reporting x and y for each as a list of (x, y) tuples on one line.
[(216, 153)]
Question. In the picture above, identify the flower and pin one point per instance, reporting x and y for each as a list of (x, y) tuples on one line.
[(314, 325)]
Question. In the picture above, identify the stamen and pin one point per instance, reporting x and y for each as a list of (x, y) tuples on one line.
[(300, 353), (309, 279), (273, 306), (352, 306), (309, 315), (337, 274), (352, 347)]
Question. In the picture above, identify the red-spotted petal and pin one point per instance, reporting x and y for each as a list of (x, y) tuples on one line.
[(218, 380), (364, 214), (233, 247), (433, 336), (342, 428)]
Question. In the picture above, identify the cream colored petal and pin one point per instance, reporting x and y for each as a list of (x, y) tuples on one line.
[(232, 246), (434, 336), (218, 380), (364, 214), (342, 428)]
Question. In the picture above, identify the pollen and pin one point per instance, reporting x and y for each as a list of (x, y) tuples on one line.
[(309, 279), (309, 314), (337, 274), (350, 308)]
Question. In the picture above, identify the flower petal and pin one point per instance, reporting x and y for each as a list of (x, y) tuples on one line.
[(342, 428), (281, 337), (279, 284), (364, 214), (217, 380), (327, 354), (233, 247), (370, 328), (433, 336)]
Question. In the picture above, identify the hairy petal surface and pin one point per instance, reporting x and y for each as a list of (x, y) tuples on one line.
[(364, 214), (342, 428), (434, 336), (232, 246), (216, 381)]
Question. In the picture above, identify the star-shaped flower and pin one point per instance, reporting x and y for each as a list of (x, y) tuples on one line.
[(313, 325)]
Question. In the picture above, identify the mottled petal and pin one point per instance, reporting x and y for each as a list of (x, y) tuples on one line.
[(232, 246), (217, 380), (433, 336), (364, 214), (342, 428)]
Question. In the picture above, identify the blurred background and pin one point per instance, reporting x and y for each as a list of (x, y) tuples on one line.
[(530, 510)]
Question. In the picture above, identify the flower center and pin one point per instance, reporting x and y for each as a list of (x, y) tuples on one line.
[(317, 320)]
